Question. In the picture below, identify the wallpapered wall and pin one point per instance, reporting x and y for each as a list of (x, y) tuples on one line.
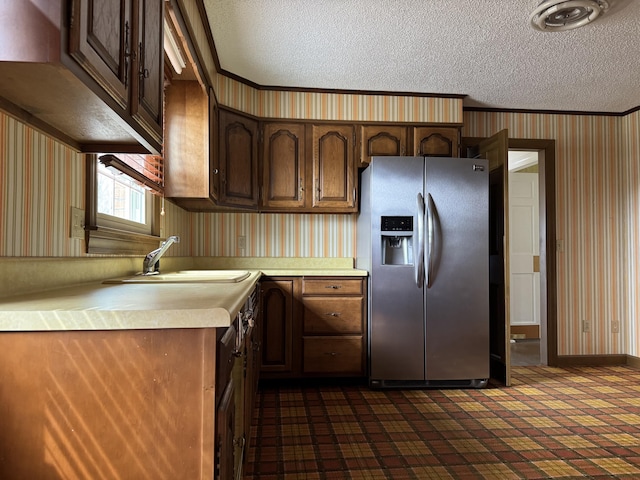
[(630, 158), (597, 211)]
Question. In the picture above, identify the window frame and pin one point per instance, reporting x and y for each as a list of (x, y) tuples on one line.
[(109, 237)]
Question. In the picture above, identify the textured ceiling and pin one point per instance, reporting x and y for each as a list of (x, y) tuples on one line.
[(484, 49)]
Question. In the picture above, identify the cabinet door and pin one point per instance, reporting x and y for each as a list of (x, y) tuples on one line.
[(214, 153), (100, 37), (436, 141), (225, 426), (333, 168), (382, 140), (277, 326), (238, 160), (283, 173), (147, 78)]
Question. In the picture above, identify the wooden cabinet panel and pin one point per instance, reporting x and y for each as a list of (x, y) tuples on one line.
[(333, 286), (382, 140), (436, 141), (333, 167), (136, 404), (147, 77), (333, 315), (333, 355), (225, 358), (238, 160), (277, 317), (284, 163), (100, 40), (225, 426)]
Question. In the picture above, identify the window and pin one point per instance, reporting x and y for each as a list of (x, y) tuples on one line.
[(122, 211), (121, 202)]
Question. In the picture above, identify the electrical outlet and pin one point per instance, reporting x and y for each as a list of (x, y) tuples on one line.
[(242, 242), (586, 326), (77, 223), (615, 326), (559, 246)]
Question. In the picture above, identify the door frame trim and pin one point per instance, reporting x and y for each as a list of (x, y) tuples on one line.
[(548, 272)]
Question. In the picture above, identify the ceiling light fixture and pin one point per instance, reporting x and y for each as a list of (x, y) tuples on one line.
[(559, 15)]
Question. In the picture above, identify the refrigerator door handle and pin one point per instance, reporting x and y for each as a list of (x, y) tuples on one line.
[(431, 240), (420, 242)]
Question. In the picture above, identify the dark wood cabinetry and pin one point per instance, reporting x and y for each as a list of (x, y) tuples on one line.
[(272, 166), (308, 168), (238, 147), (436, 141), (119, 43), (333, 326), (393, 140), (334, 169), (382, 140), (225, 402), (147, 77), (278, 349), (283, 166), (88, 73), (314, 327)]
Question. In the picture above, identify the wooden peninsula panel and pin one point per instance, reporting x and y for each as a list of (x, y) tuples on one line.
[(108, 404)]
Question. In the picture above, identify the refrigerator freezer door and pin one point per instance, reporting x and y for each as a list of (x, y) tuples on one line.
[(396, 326), (457, 299)]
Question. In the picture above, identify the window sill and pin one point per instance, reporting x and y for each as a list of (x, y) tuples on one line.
[(110, 241)]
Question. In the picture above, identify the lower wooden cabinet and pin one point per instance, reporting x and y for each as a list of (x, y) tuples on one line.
[(313, 326)]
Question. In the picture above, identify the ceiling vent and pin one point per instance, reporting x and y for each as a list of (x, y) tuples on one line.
[(558, 15)]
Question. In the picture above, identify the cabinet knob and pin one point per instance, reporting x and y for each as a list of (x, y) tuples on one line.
[(333, 314)]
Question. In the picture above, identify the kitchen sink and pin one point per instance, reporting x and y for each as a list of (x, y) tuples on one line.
[(187, 276)]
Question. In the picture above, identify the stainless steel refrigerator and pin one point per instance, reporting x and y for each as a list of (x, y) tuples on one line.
[(423, 237)]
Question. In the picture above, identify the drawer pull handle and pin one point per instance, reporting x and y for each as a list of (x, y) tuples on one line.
[(333, 354), (335, 287), (333, 314)]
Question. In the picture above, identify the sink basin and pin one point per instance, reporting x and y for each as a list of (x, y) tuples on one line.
[(187, 276)]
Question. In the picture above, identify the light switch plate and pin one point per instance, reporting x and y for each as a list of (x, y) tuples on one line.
[(77, 223)]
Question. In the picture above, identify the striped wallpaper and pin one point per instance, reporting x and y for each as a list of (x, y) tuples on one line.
[(630, 157), (598, 217), (336, 106), (40, 180), (596, 175)]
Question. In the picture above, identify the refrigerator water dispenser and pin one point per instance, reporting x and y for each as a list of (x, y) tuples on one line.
[(397, 240), (397, 250)]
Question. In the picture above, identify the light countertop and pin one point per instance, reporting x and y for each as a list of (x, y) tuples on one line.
[(99, 306)]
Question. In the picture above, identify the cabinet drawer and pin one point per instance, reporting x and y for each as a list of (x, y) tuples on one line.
[(333, 315), (327, 286), (333, 355)]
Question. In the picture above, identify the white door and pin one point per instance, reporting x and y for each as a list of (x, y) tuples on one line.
[(524, 245)]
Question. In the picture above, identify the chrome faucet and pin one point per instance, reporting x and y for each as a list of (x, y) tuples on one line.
[(150, 261)]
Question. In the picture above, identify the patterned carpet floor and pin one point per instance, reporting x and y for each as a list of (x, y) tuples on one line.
[(552, 423)]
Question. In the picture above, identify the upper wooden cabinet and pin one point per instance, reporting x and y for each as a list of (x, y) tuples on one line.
[(147, 79), (382, 140), (238, 146), (120, 44), (436, 141), (89, 73), (334, 169), (191, 158), (283, 165), (392, 140)]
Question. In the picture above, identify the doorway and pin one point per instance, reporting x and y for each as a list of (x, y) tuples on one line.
[(548, 349), (524, 258)]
